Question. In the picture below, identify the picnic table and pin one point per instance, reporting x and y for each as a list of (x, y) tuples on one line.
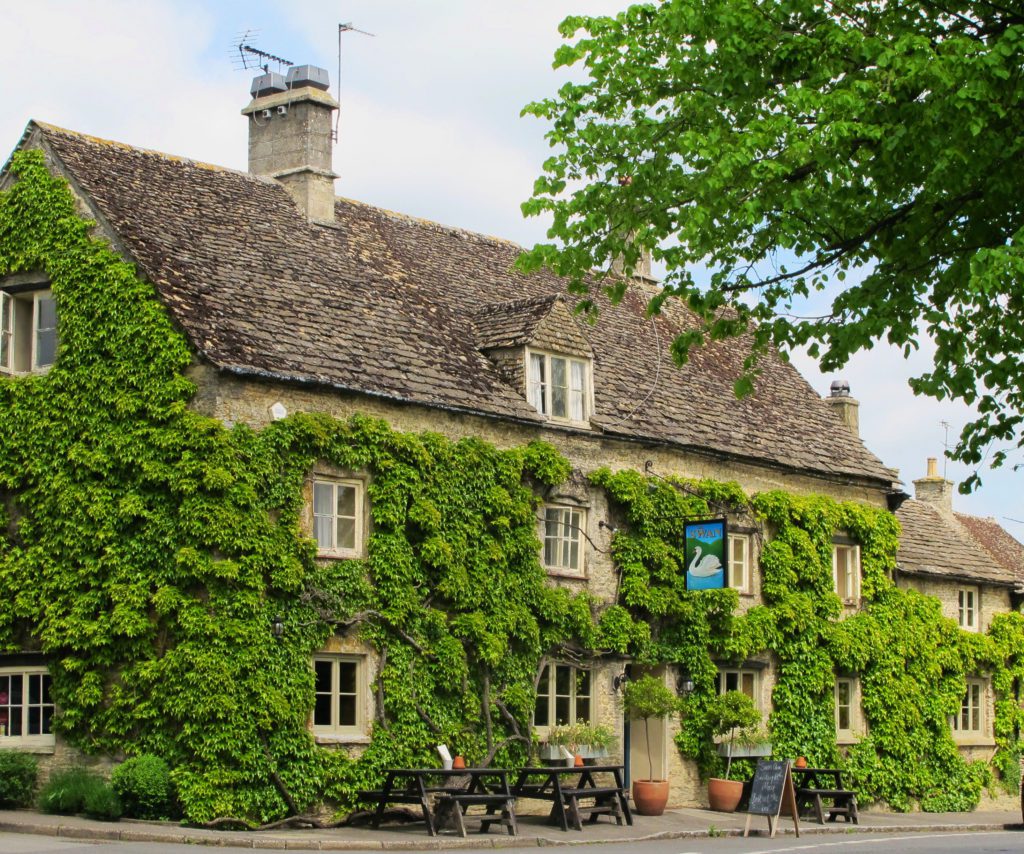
[(813, 785), (567, 786), (444, 797)]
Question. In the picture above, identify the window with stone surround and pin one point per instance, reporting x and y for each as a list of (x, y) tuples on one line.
[(340, 698), (970, 721), (559, 386), (338, 517), (846, 572), (740, 562), (563, 539), (26, 707), (743, 680), (28, 331), (968, 600), (564, 696), (847, 708)]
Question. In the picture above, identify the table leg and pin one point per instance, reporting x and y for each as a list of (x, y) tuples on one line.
[(378, 813)]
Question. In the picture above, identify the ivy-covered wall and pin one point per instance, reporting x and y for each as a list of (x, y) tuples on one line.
[(147, 549)]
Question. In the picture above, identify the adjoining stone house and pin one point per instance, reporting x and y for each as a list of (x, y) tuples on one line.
[(975, 569), (295, 300)]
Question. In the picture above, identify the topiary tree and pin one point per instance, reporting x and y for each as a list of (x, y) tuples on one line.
[(649, 697), (143, 784), (729, 714)]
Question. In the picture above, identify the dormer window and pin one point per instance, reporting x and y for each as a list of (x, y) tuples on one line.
[(559, 386), (28, 332)]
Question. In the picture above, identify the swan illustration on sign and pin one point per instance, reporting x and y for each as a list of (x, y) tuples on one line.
[(705, 554)]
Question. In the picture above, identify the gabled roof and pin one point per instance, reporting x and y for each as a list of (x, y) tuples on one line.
[(934, 543), (997, 541), (387, 305)]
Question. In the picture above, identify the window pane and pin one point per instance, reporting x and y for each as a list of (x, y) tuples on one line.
[(577, 392), (748, 684), (583, 683), (47, 720), (346, 677), (536, 384), (323, 676), (34, 721), (346, 500), (563, 680), (324, 532), (347, 711), (46, 317), (322, 710), (583, 709), (346, 534), (562, 715), (559, 388), (46, 347), (47, 686), (323, 499), (34, 684), (540, 713)]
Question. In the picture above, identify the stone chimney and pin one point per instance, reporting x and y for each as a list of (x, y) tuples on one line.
[(844, 406), (934, 489), (290, 136)]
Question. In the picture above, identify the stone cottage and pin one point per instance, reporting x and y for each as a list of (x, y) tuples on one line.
[(294, 300)]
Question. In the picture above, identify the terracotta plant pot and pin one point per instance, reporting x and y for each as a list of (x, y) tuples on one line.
[(650, 796), (801, 762), (458, 762), (724, 795), (578, 761)]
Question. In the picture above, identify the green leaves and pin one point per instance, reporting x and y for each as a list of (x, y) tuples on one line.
[(866, 153)]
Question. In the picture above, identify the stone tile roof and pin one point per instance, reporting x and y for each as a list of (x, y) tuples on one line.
[(933, 543), (512, 323), (386, 305), (997, 541)]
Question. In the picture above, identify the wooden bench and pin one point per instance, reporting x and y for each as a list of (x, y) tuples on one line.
[(844, 803), (455, 805), (607, 801)]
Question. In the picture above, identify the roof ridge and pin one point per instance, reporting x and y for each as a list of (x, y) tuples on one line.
[(418, 220), (46, 127)]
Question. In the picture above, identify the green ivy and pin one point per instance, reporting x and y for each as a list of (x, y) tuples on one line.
[(147, 550)]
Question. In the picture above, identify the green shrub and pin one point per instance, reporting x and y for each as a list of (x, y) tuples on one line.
[(102, 802), (18, 773), (67, 791), (143, 784)]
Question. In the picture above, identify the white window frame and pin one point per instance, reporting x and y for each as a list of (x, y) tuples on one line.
[(742, 563), (847, 734), (549, 692), (564, 544), (851, 594), (539, 391), (359, 520), (974, 706), (741, 674), (26, 741), (14, 332), (335, 727), (968, 600)]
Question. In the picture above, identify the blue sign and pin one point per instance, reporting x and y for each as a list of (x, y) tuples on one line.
[(705, 555)]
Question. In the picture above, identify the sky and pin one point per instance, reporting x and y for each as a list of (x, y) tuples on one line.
[(430, 126)]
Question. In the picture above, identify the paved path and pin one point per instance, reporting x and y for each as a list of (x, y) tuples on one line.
[(678, 824)]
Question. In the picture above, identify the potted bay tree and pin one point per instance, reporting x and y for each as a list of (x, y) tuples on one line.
[(649, 698), (729, 714)]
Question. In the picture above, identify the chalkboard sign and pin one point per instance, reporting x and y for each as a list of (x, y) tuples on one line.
[(766, 790), (772, 787)]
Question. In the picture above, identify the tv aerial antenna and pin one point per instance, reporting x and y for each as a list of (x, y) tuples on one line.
[(245, 55), (342, 29), (945, 444)]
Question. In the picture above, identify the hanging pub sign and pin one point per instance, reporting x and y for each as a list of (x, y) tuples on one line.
[(705, 554)]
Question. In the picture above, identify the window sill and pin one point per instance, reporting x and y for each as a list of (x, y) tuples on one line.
[(339, 556), (566, 574), (974, 741), (22, 747), (341, 738), (845, 739)]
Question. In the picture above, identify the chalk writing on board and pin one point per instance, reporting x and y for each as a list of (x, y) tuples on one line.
[(766, 790)]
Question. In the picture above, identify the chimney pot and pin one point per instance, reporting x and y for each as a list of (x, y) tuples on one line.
[(307, 75), (840, 388), (268, 84), (933, 467)]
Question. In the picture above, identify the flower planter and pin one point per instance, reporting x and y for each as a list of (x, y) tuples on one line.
[(724, 795), (746, 751), (553, 752), (650, 796)]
